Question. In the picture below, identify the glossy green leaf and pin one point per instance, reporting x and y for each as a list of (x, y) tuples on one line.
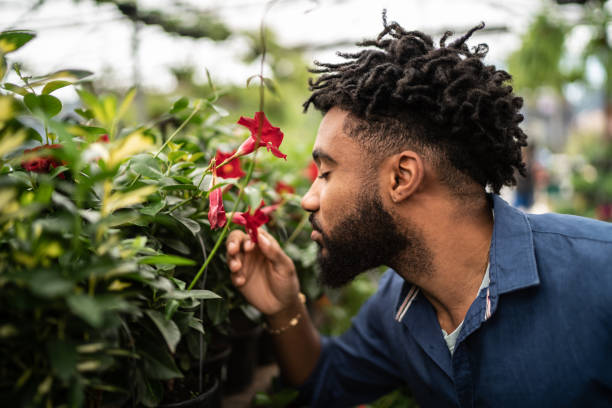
[(87, 309), (67, 74), (152, 209), (54, 85), (15, 88), (3, 67), (14, 39), (146, 170), (190, 224), (50, 284), (126, 103), (171, 308), (166, 260), (192, 294), (160, 366), (175, 187), (167, 328), (179, 105), (47, 104)]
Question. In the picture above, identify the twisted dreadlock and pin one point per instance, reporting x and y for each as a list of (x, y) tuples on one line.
[(443, 101)]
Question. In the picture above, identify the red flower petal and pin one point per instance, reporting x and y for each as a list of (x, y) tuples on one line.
[(216, 211), (271, 136), (231, 169), (281, 188)]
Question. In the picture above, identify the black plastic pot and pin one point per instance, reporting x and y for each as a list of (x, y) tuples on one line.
[(215, 365), (243, 360), (204, 400)]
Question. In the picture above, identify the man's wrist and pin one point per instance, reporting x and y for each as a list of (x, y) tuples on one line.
[(288, 316)]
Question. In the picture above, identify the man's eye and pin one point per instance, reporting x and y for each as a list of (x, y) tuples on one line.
[(323, 175)]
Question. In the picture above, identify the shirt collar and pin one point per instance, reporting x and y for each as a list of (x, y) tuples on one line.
[(513, 263)]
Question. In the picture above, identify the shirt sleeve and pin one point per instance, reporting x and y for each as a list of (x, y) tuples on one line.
[(357, 367)]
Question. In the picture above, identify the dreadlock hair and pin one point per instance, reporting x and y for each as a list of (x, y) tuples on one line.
[(443, 102)]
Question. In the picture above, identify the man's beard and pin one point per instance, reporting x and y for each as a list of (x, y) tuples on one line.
[(367, 238)]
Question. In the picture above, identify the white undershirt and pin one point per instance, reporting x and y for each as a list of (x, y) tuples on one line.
[(451, 339)]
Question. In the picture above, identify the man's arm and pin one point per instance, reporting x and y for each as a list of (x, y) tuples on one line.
[(266, 277)]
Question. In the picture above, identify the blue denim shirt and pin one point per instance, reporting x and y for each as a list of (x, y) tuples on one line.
[(539, 336)]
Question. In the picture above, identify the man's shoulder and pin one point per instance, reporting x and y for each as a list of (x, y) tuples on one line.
[(573, 254), (571, 227)]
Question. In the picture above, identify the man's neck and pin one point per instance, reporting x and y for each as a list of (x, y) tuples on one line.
[(459, 246)]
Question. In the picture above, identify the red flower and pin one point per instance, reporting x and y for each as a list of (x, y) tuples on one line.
[(43, 163), (103, 138), (312, 171), (251, 222), (232, 169), (271, 137), (216, 211), (283, 188)]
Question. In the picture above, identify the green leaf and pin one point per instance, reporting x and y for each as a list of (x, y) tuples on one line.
[(166, 260), (146, 170), (13, 40), (50, 284), (175, 187), (190, 224), (160, 366), (171, 307), (15, 88), (3, 66), (125, 104), (152, 209), (58, 170), (47, 104), (167, 328), (87, 309), (84, 113), (67, 74), (54, 85), (63, 357), (192, 294), (179, 105)]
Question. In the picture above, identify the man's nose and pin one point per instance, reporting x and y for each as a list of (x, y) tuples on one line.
[(310, 201)]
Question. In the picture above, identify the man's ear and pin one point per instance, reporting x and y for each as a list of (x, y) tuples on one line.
[(406, 173)]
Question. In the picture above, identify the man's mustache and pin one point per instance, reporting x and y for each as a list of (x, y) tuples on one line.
[(314, 223)]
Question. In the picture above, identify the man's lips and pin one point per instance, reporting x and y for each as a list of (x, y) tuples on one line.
[(316, 236)]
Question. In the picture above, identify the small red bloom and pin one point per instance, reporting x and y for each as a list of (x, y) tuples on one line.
[(312, 171), (252, 222), (44, 163), (216, 211), (281, 188), (231, 169), (271, 137), (103, 138)]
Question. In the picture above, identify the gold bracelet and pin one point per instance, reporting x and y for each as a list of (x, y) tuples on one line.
[(292, 323)]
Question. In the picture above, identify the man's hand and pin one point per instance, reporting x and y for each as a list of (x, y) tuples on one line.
[(262, 272)]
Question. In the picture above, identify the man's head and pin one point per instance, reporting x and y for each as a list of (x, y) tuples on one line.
[(420, 114)]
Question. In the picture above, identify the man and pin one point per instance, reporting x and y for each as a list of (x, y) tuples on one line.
[(483, 305)]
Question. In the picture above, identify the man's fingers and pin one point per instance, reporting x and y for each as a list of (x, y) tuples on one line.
[(271, 249), (234, 241)]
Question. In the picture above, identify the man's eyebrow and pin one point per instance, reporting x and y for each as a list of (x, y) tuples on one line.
[(318, 155)]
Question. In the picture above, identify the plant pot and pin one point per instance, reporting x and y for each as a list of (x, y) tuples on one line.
[(215, 365), (204, 400), (242, 362)]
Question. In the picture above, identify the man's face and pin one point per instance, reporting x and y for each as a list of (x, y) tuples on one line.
[(350, 224)]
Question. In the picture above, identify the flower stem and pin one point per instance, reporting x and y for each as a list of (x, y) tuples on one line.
[(212, 253)]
